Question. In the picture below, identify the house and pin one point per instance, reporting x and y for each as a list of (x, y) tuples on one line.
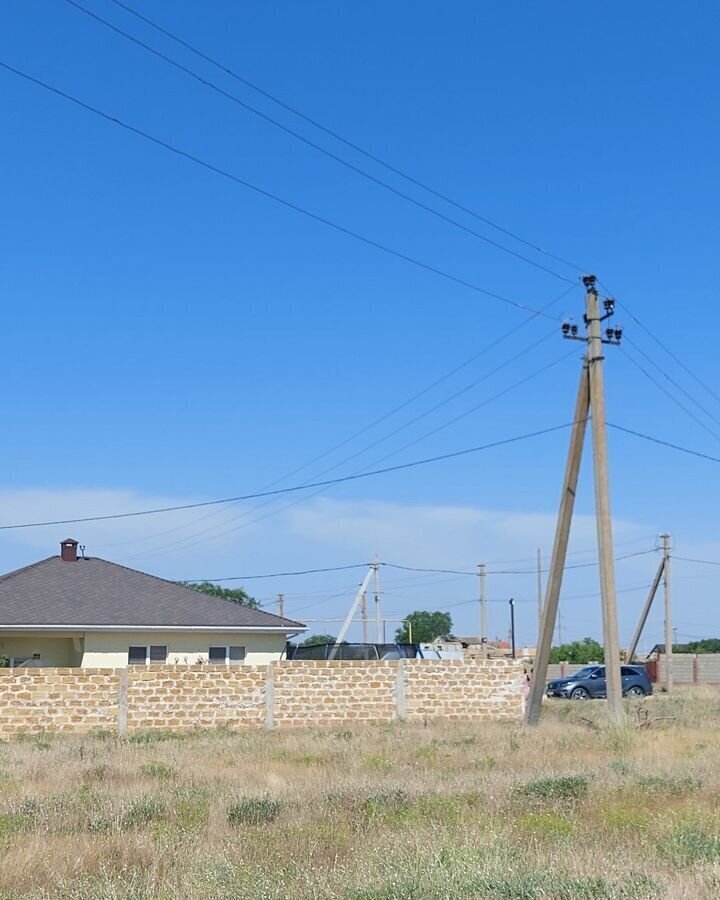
[(75, 611)]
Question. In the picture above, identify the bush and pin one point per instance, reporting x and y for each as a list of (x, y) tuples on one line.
[(254, 811), (568, 787)]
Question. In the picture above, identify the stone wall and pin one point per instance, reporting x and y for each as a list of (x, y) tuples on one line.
[(37, 700), (285, 694)]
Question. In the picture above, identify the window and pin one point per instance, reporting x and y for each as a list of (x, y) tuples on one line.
[(223, 656), (140, 656)]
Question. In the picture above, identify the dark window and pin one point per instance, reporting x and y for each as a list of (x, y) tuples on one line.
[(626, 670), (158, 653), (236, 654), (137, 656), (217, 655)]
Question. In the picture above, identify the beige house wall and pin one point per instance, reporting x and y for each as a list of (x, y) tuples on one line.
[(54, 649), (109, 650)]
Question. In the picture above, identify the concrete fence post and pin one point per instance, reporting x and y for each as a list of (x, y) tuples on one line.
[(696, 669), (122, 723), (270, 696), (400, 698)]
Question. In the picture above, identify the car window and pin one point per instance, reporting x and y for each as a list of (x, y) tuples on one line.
[(628, 670), (587, 672)]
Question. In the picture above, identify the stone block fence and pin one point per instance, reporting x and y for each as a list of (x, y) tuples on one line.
[(282, 695)]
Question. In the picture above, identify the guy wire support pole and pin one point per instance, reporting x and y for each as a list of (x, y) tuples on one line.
[(590, 396), (364, 616), (632, 649), (559, 551), (351, 612), (539, 590), (668, 614)]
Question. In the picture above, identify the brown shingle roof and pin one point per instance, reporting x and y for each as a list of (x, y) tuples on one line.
[(94, 592)]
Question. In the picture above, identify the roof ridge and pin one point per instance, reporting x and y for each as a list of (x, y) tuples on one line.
[(177, 584)]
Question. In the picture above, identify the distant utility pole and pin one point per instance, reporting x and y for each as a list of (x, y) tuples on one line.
[(364, 616), (512, 627), (378, 616), (483, 610), (281, 605), (591, 396), (668, 614)]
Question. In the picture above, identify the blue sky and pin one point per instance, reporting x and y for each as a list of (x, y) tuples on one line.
[(170, 336)]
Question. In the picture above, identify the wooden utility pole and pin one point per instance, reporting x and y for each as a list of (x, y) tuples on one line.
[(281, 605), (590, 396), (632, 649), (559, 551), (483, 611), (603, 518), (668, 614)]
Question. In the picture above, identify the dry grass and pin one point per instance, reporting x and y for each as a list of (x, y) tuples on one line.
[(566, 812)]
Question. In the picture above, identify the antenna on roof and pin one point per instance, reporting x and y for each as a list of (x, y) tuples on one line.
[(82, 550)]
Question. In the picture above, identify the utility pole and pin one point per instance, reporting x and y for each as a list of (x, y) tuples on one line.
[(483, 611), (378, 616), (281, 605), (632, 649), (668, 614), (539, 590), (603, 518), (590, 396), (364, 616), (512, 627)]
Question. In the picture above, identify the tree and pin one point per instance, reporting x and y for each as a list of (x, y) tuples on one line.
[(579, 652), (236, 595), (706, 645), (426, 626), (315, 639)]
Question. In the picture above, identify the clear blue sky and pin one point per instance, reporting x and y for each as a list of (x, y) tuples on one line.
[(171, 336)]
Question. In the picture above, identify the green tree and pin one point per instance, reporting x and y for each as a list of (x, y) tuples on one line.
[(314, 639), (580, 652), (426, 626), (237, 595), (706, 645)]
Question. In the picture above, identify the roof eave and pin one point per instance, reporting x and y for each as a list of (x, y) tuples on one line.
[(234, 629)]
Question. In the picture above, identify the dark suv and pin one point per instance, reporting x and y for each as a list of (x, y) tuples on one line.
[(589, 683)]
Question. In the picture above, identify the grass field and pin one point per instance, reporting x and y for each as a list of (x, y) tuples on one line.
[(375, 813)]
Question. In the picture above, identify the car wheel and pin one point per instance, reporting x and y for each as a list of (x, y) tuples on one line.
[(580, 693), (635, 691)]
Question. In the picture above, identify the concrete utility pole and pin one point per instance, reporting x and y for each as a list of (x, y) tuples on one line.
[(378, 616), (559, 551), (483, 611), (539, 590), (512, 627), (281, 605), (603, 519), (364, 616), (668, 614), (591, 395)]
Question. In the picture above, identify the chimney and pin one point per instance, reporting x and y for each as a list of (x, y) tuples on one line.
[(68, 550)]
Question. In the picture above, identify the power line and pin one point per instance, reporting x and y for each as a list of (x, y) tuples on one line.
[(672, 381), (408, 465), (670, 396), (655, 440), (669, 352), (338, 137), (283, 574), (490, 346), (193, 537), (705, 562), (309, 143), (316, 217)]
